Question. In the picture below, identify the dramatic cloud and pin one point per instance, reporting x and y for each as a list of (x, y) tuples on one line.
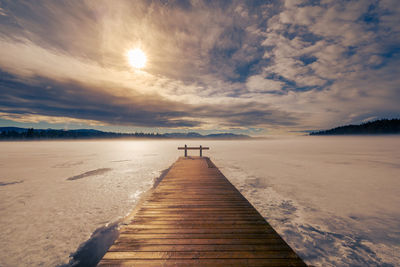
[(286, 65)]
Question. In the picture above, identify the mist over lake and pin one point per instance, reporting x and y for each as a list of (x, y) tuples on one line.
[(333, 199)]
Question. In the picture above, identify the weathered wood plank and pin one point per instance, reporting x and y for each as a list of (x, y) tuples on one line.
[(127, 234), (194, 219), (273, 245), (192, 226), (199, 241), (195, 216), (128, 230), (200, 255), (204, 262)]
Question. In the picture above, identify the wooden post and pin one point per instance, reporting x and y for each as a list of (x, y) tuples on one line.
[(200, 148)]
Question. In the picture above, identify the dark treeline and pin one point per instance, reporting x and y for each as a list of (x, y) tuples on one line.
[(14, 133), (384, 126), (67, 134)]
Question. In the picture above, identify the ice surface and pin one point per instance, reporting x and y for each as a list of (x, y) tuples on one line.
[(45, 219), (89, 173), (335, 200)]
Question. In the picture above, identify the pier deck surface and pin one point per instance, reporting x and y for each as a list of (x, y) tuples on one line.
[(196, 217)]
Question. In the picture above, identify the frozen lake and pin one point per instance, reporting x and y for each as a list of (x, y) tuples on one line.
[(335, 200)]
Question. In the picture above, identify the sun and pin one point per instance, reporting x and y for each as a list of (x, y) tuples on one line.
[(137, 58)]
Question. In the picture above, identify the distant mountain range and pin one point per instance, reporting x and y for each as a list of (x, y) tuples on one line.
[(16, 133), (383, 126)]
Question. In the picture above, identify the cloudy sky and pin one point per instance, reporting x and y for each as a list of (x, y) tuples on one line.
[(255, 67)]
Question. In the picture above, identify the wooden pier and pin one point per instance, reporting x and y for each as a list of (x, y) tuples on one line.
[(196, 217)]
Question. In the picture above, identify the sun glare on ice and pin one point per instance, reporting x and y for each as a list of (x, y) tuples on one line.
[(137, 58)]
